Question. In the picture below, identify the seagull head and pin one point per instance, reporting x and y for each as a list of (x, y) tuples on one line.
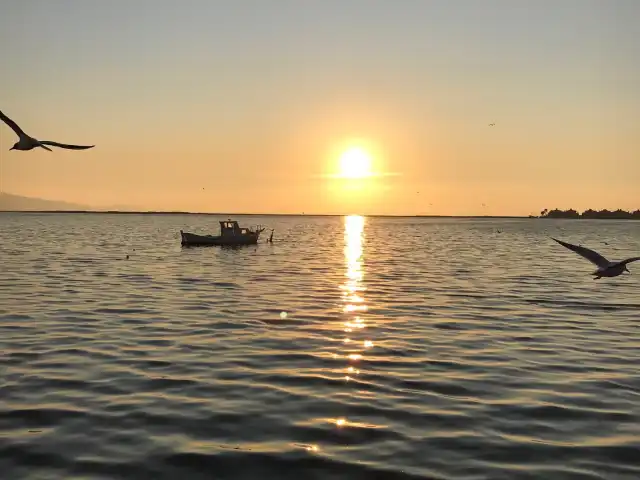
[(15, 146)]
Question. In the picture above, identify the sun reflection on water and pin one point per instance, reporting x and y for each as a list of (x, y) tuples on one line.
[(353, 249), (353, 297)]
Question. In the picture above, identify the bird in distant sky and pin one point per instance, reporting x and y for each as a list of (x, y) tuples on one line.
[(26, 142), (492, 124)]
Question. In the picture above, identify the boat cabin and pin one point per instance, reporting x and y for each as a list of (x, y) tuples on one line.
[(230, 227)]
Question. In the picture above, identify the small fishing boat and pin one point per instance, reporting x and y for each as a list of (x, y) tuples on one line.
[(231, 234)]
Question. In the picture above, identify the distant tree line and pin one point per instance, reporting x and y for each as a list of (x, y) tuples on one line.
[(610, 214)]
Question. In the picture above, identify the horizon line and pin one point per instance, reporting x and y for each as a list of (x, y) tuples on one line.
[(226, 214), (229, 214)]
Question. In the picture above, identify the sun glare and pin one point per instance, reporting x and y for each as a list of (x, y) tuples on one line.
[(355, 163)]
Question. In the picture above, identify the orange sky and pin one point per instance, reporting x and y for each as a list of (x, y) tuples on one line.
[(214, 108)]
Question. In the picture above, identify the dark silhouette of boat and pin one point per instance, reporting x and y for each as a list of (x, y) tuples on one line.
[(231, 234)]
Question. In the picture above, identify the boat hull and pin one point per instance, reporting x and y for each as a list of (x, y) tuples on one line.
[(194, 240)]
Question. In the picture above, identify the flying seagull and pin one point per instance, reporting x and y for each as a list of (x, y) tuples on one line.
[(606, 268), (492, 124), (26, 142)]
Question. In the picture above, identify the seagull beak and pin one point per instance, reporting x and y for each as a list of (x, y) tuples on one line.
[(12, 148)]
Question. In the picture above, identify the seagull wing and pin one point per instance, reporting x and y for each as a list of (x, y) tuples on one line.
[(593, 257), (630, 260), (64, 145), (14, 126)]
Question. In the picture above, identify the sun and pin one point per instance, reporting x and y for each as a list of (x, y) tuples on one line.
[(355, 163)]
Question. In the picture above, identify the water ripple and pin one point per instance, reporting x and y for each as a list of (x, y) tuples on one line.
[(350, 348)]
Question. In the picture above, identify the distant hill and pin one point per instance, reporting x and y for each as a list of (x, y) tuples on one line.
[(9, 202)]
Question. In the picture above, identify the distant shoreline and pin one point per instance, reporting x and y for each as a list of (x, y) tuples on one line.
[(223, 214), (591, 214)]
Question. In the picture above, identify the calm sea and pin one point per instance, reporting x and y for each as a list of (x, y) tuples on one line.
[(350, 348)]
